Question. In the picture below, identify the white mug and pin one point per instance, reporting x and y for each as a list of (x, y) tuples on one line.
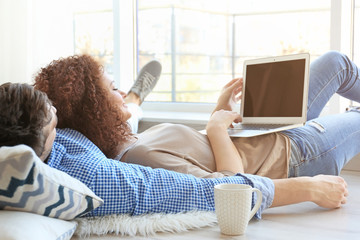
[(233, 207)]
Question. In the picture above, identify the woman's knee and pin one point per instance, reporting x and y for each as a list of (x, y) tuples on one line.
[(335, 58), (329, 65)]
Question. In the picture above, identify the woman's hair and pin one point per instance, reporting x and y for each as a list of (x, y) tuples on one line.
[(24, 112), (74, 86)]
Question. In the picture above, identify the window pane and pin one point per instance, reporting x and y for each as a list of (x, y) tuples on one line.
[(283, 33), (93, 31), (357, 33), (357, 38), (154, 34), (202, 44)]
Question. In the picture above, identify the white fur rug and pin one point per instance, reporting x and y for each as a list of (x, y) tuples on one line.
[(144, 225)]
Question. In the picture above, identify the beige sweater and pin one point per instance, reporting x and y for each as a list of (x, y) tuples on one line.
[(183, 149)]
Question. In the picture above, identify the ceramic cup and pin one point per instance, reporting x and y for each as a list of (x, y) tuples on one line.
[(233, 207)]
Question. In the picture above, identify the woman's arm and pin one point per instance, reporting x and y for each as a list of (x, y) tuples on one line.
[(226, 155)]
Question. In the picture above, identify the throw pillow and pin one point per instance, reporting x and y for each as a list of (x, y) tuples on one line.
[(27, 184), (21, 225)]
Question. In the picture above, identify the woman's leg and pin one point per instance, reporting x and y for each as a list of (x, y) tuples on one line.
[(325, 144), (143, 85), (331, 73), (136, 115)]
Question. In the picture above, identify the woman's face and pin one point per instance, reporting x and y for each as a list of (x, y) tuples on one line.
[(116, 96)]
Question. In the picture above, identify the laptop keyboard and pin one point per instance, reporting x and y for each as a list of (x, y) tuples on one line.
[(257, 126)]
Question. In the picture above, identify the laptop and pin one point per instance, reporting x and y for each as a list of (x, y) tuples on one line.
[(274, 96)]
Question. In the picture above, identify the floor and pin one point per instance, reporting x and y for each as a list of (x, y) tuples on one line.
[(294, 222)]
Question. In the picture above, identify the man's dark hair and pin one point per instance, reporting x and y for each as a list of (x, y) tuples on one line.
[(24, 112)]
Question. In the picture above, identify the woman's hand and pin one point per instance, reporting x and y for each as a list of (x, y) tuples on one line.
[(221, 120), (230, 95)]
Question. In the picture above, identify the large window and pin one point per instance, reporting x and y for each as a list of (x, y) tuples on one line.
[(202, 44)]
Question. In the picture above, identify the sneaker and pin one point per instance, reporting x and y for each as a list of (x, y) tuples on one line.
[(147, 79)]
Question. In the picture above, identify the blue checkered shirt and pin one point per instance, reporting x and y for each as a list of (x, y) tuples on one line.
[(134, 189)]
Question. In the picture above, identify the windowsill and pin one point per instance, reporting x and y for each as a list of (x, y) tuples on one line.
[(175, 117), (184, 113)]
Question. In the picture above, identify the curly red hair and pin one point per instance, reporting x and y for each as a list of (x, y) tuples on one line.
[(73, 85)]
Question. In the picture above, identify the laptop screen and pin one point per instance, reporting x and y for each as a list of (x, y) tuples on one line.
[(274, 89)]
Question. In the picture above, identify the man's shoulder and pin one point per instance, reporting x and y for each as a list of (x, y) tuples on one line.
[(72, 150), (73, 139), (70, 134), (73, 143)]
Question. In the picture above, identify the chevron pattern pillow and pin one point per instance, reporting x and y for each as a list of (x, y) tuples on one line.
[(27, 184)]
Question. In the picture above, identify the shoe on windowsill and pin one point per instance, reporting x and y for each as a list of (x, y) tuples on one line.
[(147, 79)]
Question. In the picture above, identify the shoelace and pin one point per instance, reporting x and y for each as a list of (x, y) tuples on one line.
[(145, 81)]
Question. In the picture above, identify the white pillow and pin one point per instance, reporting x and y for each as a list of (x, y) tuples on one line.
[(27, 184), (21, 225)]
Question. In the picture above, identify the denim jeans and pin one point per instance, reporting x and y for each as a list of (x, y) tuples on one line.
[(325, 144)]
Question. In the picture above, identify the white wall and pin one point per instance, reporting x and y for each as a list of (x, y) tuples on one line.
[(14, 39), (52, 31), (32, 33), (354, 164)]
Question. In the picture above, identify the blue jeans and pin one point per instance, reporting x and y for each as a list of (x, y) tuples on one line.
[(325, 144)]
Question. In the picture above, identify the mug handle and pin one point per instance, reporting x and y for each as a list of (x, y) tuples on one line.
[(258, 202)]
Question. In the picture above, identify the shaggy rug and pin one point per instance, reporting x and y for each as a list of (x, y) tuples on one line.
[(144, 225)]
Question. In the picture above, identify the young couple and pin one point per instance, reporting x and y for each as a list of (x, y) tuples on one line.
[(88, 103)]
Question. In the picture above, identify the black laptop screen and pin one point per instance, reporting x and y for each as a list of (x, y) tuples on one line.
[(274, 89)]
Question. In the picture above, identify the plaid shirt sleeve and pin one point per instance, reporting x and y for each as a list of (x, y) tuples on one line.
[(134, 189)]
